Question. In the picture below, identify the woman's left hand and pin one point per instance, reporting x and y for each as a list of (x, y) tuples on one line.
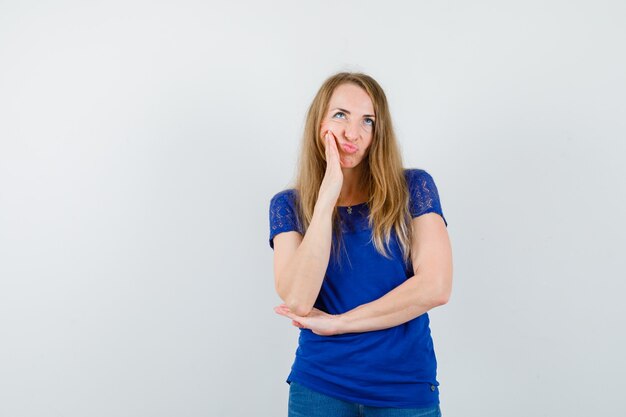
[(318, 321)]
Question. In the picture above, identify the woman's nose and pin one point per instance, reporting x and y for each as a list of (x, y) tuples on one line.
[(351, 132)]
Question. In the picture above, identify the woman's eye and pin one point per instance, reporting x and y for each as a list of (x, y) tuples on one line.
[(368, 121)]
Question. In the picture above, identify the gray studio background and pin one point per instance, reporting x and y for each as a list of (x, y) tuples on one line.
[(141, 142)]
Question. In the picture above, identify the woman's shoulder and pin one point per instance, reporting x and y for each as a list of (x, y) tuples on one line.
[(423, 193), (288, 194), (413, 175), (285, 199)]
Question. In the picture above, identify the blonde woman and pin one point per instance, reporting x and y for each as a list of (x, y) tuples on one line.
[(361, 254)]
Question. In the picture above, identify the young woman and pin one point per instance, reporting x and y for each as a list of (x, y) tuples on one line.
[(361, 254)]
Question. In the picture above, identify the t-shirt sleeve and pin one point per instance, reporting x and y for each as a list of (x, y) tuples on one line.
[(283, 215), (423, 194)]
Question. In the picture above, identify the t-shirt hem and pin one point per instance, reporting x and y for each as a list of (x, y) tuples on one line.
[(309, 381)]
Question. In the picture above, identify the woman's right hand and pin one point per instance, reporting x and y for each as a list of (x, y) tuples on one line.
[(333, 178)]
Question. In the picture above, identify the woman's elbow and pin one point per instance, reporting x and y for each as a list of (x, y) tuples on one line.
[(442, 299), (299, 308), (295, 305), (443, 294)]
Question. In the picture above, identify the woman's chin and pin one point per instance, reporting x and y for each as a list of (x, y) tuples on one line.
[(348, 162)]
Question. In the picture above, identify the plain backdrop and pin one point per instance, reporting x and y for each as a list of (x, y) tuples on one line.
[(141, 142)]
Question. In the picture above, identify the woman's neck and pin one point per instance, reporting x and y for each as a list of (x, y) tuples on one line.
[(352, 191)]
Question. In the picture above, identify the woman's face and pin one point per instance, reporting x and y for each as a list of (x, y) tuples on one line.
[(351, 118)]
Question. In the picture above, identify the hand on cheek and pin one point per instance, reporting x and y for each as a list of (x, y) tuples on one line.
[(324, 131)]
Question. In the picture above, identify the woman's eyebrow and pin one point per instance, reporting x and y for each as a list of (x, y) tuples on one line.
[(347, 112)]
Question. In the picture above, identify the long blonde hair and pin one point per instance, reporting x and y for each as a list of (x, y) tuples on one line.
[(383, 172)]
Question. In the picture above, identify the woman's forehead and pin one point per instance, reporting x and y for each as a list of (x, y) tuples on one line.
[(352, 98)]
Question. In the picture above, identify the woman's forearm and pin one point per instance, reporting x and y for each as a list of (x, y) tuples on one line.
[(301, 280), (411, 299)]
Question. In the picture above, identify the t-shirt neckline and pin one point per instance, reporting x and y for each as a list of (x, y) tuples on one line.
[(354, 205)]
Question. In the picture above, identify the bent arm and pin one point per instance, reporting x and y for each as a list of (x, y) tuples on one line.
[(411, 299), (428, 288), (300, 273)]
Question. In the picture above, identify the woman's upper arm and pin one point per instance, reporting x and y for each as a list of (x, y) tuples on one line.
[(431, 253), (285, 246), (284, 231), (430, 242)]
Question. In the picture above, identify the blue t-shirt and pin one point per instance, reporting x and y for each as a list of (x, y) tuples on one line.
[(394, 367)]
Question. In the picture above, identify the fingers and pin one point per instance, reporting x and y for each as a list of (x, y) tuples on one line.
[(283, 310), (326, 147), (332, 154)]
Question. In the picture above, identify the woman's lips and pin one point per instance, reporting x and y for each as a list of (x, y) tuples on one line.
[(348, 148)]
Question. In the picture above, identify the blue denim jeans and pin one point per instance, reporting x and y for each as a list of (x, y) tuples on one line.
[(305, 402)]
